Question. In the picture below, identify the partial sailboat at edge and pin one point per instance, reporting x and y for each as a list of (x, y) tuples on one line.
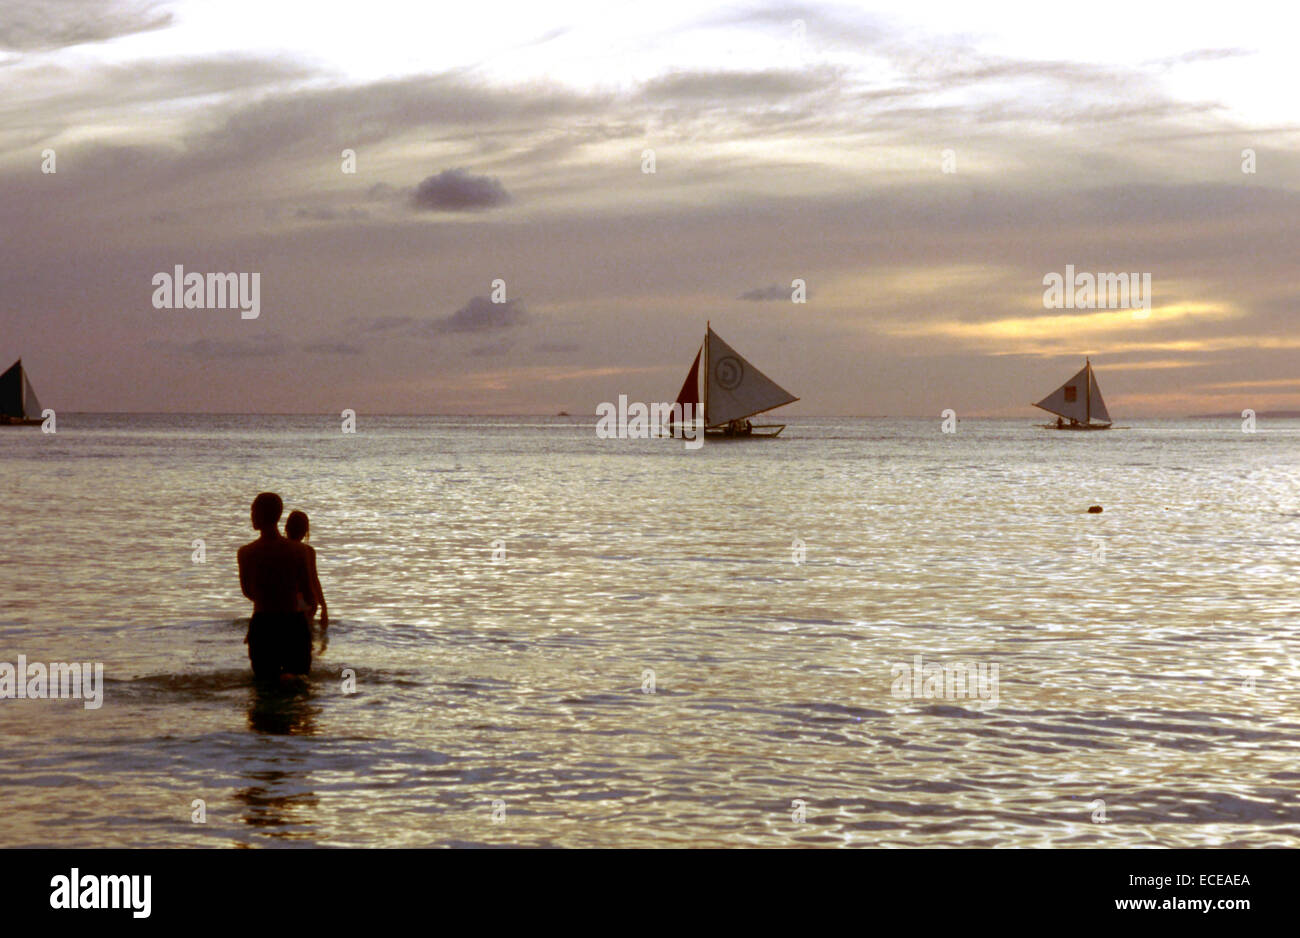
[(728, 390), (1077, 403), (18, 404)]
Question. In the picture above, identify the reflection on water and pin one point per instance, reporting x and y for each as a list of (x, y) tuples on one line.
[(276, 805), (282, 709), (555, 640), (277, 801)]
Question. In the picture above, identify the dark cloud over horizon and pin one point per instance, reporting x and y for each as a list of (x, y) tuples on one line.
[(480, 314), (456, 190)]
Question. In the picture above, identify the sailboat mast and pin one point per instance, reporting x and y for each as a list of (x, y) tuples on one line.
[(1088, 363), (22, 390), (708, 328)]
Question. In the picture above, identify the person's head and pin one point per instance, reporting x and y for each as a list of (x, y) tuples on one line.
[(296, 526), (266, 511)]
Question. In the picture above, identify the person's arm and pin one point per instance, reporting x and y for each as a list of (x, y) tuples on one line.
[(319, 593), (305, 576), (245, 581)]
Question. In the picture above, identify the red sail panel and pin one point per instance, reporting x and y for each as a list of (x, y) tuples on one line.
[(690, 392), (11, 390)]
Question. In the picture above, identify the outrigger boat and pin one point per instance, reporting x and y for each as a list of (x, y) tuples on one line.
[(732, 391), (1078, 401), (18, 404)]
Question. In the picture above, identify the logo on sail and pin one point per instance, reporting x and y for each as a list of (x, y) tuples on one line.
[(729, 372)]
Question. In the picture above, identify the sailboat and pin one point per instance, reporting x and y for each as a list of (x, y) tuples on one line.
[(18, 403), (732, 391), (1079, 402)]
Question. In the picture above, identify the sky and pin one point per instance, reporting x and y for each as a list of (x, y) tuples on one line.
[(921, 168)]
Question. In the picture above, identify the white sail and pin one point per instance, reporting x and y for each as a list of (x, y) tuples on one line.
[(1099, 411), (1070, 400), (31, 406), (736, 388)]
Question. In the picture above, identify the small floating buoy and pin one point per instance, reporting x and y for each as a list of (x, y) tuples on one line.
[(1094, 510)]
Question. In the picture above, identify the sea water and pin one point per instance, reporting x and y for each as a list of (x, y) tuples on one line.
[(865, 632)]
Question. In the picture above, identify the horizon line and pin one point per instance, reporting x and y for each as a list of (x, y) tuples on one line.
[(316, 413)]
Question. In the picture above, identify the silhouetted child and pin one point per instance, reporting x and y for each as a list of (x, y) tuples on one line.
[(298, 528)]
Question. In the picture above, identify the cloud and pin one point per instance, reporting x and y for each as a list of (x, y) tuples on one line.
[(549, 35), (43, 99), (262, 111), (35, 25), (225, 349), (455, 190), (833, 174), (492, 349), (324, 213), (774, 292), (332, 348), (480, 314), (767, 84), (389, 323), (823, 27), (1043, 331), (1203, 55)]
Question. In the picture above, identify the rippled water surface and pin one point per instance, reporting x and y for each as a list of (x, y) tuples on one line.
[(1147, 657)]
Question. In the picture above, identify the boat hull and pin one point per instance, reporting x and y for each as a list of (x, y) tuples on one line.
[(1078, 426), (762, 431), (7, 421)]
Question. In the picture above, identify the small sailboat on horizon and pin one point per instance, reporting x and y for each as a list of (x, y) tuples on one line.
[(1079, 402), (19, 406), (729, 390)]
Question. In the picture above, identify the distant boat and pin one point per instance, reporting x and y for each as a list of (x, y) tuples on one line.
[(1077, 403), (18, 404), (731, 391)]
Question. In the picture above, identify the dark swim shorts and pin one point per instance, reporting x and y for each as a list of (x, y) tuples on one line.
[(279, 643)]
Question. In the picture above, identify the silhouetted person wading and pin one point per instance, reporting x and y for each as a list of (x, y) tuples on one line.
[(273, 573)]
